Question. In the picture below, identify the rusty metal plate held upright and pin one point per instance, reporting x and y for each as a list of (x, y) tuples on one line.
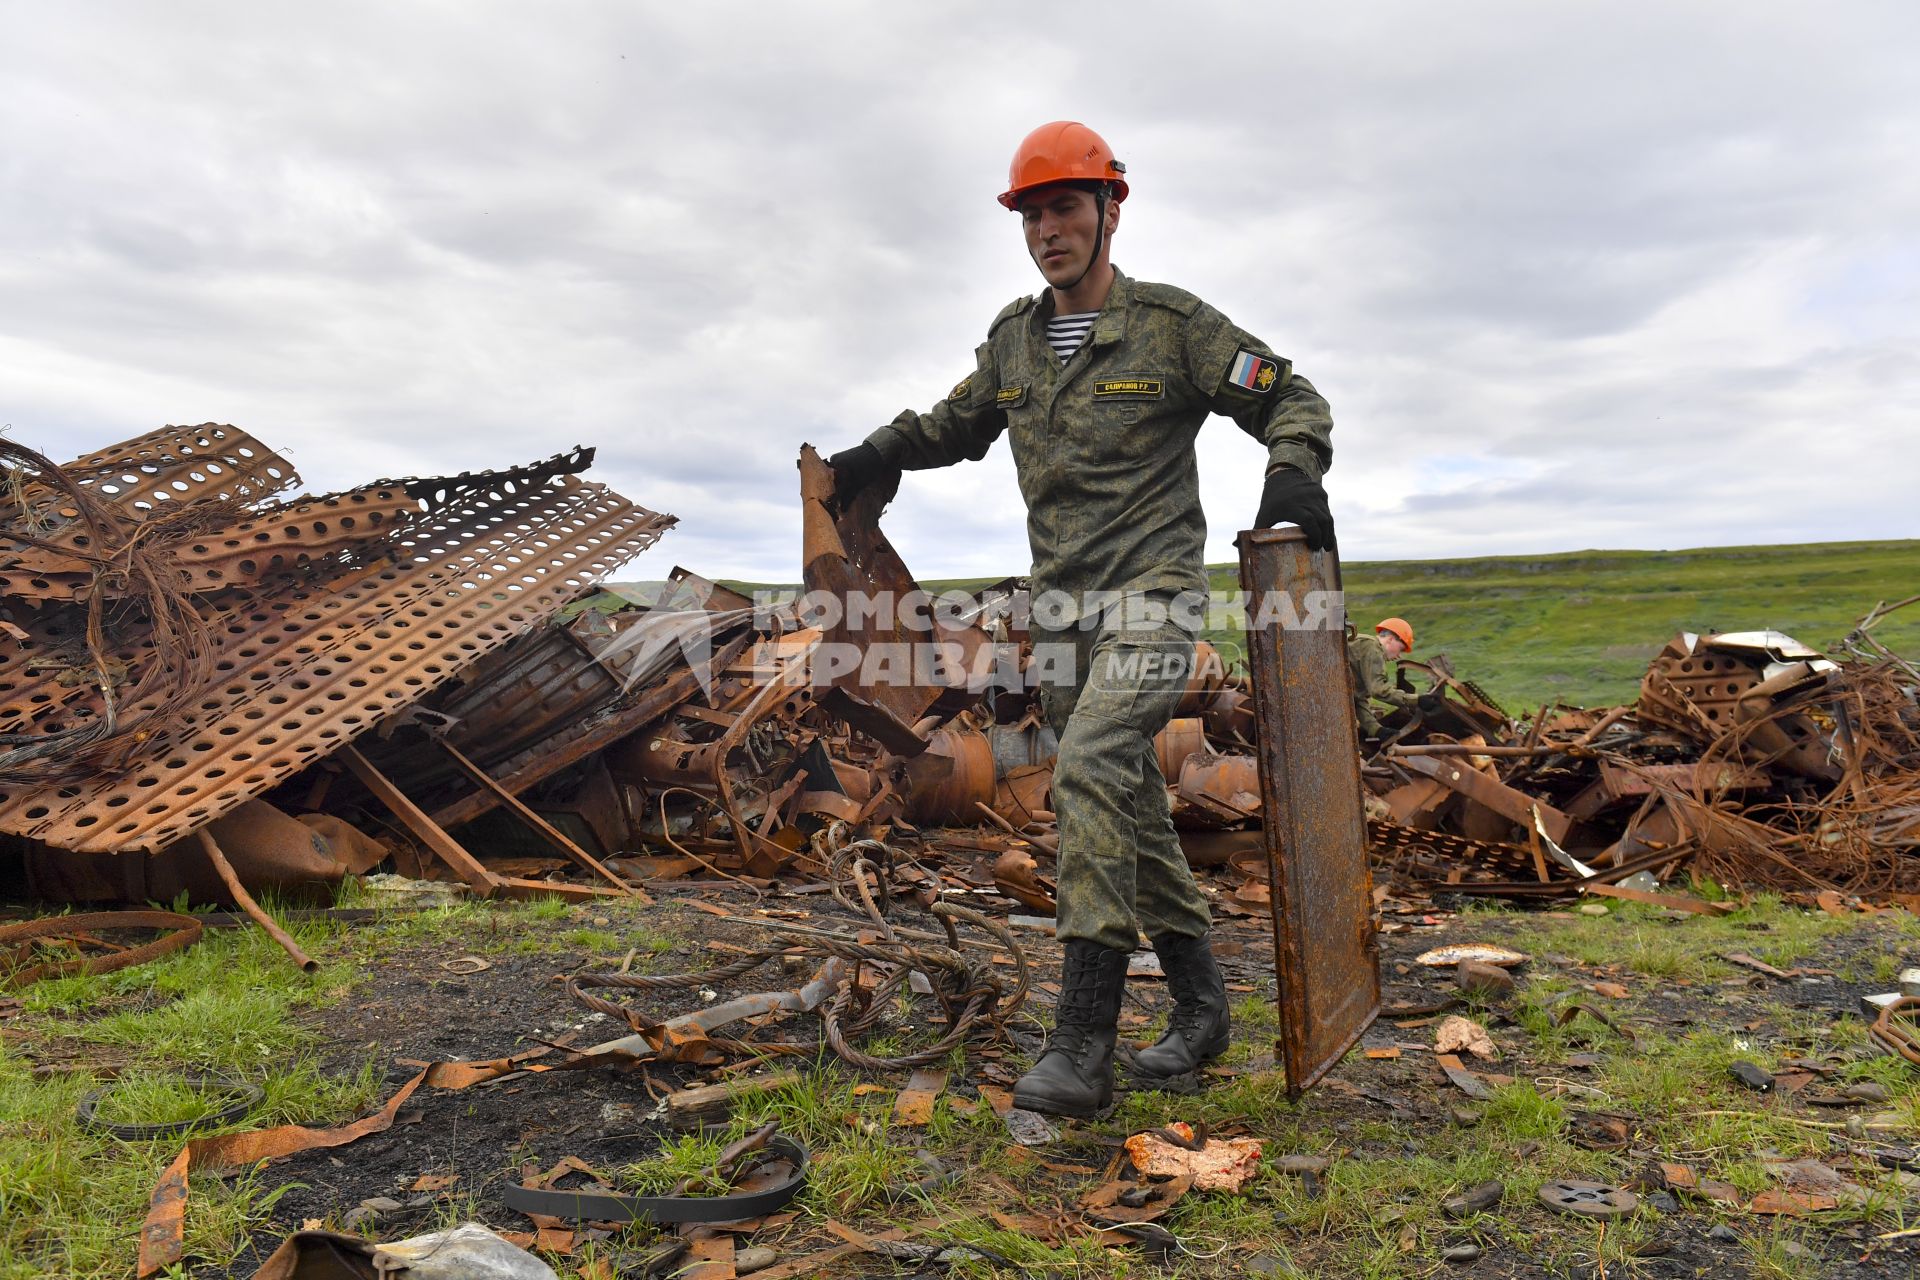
[(1315, 825)]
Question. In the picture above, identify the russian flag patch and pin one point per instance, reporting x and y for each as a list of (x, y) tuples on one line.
[(1253, 372)]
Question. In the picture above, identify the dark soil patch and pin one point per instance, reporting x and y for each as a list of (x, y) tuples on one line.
[(410, 1008)]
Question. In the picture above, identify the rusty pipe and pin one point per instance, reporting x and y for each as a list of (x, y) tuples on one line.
[(248, 905)]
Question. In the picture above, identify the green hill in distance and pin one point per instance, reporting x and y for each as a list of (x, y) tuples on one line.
[(1579, 627)]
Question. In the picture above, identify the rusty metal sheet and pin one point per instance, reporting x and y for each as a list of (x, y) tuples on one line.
[(281, 541), (688, 590), (568, 744), (1443, 859), (1315, 826), (848, 556), (1694, 688), (306, 662), (1490, 792), (1616, 782)]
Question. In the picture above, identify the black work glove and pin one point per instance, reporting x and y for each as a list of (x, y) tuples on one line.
[(1293, 496), (856, 468), (1429, 703)]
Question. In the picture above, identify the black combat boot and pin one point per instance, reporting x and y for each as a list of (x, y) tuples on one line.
[(1198, 1031), (1074, 1077)]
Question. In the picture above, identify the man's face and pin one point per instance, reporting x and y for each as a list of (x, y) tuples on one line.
[(1061, 224), (1391, 643)]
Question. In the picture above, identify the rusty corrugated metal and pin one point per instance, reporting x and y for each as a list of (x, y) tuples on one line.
[(310, 657)]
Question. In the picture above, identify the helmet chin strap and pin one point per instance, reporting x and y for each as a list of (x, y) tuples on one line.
[(1100, 199)]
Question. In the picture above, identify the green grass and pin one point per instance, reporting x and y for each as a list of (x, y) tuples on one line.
[(71, 1199)]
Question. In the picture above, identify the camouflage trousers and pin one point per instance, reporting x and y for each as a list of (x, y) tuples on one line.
[(1110, 689)]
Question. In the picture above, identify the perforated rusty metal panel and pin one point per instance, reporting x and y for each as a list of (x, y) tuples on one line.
[(277, 542), (307, 663), (183, 464), (1315, 826)]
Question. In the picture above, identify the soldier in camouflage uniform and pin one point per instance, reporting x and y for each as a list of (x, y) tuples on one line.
[(1392, 639), (1103, 444)]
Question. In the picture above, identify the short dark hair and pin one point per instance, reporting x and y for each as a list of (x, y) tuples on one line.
[(1100, 191)]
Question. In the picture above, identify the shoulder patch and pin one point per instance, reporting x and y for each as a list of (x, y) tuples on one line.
[(1253, 372), (961, 388), (1009, 311), (1166, 295)]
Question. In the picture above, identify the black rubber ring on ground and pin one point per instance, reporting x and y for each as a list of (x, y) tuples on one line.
[(601, 1206), (88, 1112)]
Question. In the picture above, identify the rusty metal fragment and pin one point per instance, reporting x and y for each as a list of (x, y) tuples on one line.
[(1324, 946), (848, 557), (246, 903)]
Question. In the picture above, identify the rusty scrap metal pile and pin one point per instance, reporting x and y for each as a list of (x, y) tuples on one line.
[(210, 690), (1748, 759), (179, 646)]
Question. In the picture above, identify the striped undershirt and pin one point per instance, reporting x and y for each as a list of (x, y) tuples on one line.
[(1066, 333)]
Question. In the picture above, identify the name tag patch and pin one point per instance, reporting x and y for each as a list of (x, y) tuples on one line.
[(1010, 397), (1253, 371), (1129, 389)]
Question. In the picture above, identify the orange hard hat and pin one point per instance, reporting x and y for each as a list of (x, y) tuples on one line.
[(1400, 627), (1064, 151)]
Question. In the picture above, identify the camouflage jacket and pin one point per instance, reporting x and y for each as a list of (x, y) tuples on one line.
[(1368, 658), (1103, 443)]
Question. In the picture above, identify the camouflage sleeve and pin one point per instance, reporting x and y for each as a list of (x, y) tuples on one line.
[(1244, 380), (964, 425), (1369, 668)]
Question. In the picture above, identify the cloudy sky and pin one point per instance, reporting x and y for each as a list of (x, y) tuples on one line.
[(1571, 275)]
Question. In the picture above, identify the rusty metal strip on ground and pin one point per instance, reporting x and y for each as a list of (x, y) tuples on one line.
[(183, 932)]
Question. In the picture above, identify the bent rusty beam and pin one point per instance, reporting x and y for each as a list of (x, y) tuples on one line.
[(451, 851), (424, 828), (541, 827), (1493, 794), (246, 903)]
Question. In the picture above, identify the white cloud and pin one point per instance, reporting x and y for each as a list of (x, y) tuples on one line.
[(1570, 275)]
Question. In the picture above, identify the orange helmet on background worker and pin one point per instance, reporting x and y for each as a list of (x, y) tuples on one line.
[(1398, 627), (1064, 151)]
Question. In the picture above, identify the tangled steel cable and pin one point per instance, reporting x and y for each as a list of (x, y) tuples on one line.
[(131, 570), (853, 990)]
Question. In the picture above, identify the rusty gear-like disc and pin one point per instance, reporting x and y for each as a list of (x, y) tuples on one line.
[(1588, 1199)]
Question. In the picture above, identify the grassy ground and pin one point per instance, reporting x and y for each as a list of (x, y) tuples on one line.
[(71, 1200), (1399, 1140), (1580, 627)]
